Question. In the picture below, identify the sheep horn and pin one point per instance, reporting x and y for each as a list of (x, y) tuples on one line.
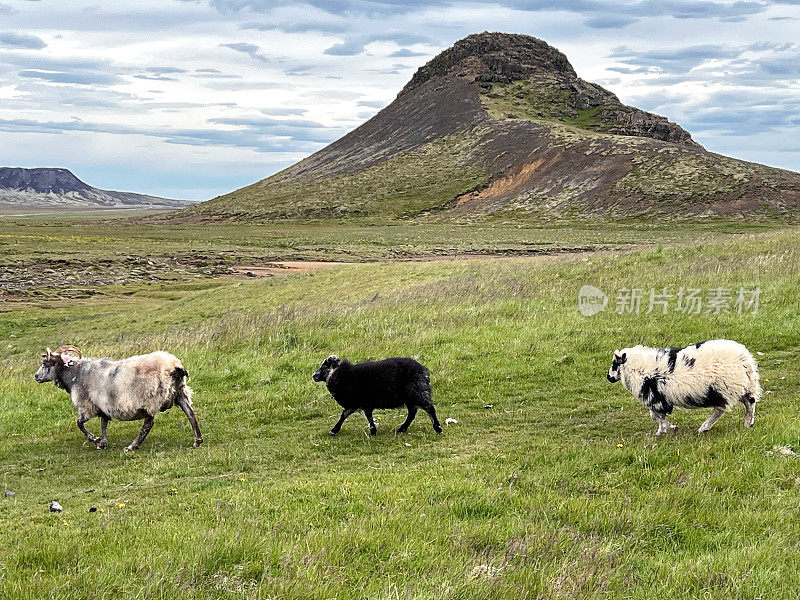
[(49, 352), (69, 349)]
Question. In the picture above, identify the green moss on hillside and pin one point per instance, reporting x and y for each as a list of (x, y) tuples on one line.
[(543, 99), (418, 180), (686, 177)]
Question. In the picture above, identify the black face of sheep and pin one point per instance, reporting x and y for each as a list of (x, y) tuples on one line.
[(389, 383), (613, 373), (327, 367)]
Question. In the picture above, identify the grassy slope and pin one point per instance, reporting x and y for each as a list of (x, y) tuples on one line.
[(417, 180), (672, 176), (561, 485), (69, 256)]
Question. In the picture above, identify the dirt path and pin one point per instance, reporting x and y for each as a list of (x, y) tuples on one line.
[(287, 267), (292, 267)]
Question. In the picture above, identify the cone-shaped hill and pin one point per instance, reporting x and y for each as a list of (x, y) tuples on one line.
[(501, 124)]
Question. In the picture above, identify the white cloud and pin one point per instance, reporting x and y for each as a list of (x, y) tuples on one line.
[(135, 85)]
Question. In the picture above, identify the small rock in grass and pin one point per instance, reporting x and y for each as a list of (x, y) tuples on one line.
[(10, 494), (487, 571), (450, 421), (488, 406), (782, 450), (55, 507), (93, 509)]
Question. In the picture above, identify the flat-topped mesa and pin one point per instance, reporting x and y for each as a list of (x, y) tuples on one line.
[(53, 187), (43, 180), (544, 85)]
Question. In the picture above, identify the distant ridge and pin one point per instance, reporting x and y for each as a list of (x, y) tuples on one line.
[(500, 125), (59, 188)]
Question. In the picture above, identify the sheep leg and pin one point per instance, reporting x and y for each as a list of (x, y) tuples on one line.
[(186, 407), (750, 407), (146, 427), (412, 412), (89, 435), (712, 418), (104, 426), (373, 429), (428, 408), (345, 413), (663, 424)]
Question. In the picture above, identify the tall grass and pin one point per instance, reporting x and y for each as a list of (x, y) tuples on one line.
[(559, 490)]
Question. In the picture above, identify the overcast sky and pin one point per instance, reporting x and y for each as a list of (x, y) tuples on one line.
[(194, 98)]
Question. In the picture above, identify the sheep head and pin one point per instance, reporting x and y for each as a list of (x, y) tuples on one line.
[(327, 368), (613, 374)]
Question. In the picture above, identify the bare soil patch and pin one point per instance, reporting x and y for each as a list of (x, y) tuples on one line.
[(286, 267)]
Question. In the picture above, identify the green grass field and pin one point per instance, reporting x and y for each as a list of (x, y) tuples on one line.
[(559, 490)]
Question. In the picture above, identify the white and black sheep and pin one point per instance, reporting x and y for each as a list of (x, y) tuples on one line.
[(389, 383), (715, 374), (128, 390)]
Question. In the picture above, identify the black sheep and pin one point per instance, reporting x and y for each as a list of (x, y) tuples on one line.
[(389, 383)]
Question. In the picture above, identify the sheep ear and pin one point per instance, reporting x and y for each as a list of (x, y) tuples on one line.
[(617, 353), (624, 356), (334, 358)]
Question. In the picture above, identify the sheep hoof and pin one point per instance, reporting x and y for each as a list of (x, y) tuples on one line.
[(130, 448), (332, 432), (197, 443), (102, 445)]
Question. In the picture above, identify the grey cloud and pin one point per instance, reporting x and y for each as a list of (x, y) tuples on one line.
[(165, 70), (267, 122), (679, 9), (155, 77), (284, 112), (9, 39), (350, 48), (79, 78), (372, 103), (331, 94), (239, 85), (678, 60), (406, 53), (242, 138), (296, 129), (216, 76), (47, 63), (251, 50), (775, 65), (356, 44), (297, 27), (609, 22)]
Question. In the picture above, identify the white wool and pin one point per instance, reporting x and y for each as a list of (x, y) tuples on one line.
[(724, 365)]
